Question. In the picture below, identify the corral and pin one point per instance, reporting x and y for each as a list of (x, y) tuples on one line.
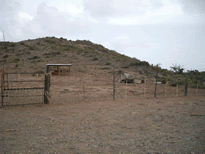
[(83, 118)]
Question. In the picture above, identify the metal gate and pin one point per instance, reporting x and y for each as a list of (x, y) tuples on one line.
[(24, 88)]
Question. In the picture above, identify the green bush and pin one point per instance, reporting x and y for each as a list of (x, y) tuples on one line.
[(34, 57), (16, 65), (28, 52), (46, 54), (13, 44), (22, 43), (16, 60), (142, 63), (6, 56), (95, 59), (31, 48), (125, 67), (120, 72), (50, 41), (19, 54), (108, 63)]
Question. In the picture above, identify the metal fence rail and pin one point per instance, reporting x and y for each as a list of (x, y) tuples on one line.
[(22, 88)]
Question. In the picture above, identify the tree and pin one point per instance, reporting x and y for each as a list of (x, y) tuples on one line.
[(178, 69)]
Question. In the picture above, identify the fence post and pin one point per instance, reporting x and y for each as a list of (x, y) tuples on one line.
[(197, 88), (177, 90), (165, 89), (113, 82), (156, 83), (47, 86), (144, 87), (2, 88), (126, 91), (186, 85)]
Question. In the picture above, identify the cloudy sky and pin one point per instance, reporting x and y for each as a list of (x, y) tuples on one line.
[(157, 31)]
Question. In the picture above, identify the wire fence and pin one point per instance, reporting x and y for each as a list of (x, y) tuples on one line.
[(73, 89), (22, 88)]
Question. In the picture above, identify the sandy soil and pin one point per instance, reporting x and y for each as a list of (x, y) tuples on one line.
[(83, 118), (161, 125)]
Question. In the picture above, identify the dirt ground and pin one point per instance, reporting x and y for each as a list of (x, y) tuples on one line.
[(83, 118), (157, 125)]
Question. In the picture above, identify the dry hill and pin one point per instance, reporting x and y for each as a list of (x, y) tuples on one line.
[(85, 56)]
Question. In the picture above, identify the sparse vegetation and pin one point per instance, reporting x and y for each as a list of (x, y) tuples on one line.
[(141, 63), (6, 56), (31, 48), (125, 67), (28, 52), (108, 63), (13, 45), (22, 43), (95, 59), (34, 57), (16, 60)]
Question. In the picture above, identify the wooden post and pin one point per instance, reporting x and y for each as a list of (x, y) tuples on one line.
[(113, 82), (2, 88), (126, 91), (7, 80), (47, 86), (144, 88), (141, 89), (165, 89), (58, 68), (197, 88), (186, 85), (177, 90), (155, 93), (83, 92)]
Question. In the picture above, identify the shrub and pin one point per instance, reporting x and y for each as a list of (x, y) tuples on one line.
[(18, 54), (31, 48), (125, 67), (28, 52), (50, 41), (16, 60), (13, 44), (6, 56), (34, 57), (105, 68), (108, 63), (16, 65), (120, 71), (95, 59), (45, 54), (22, 43)]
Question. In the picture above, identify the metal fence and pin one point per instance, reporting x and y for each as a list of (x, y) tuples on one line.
[(73, 89), (22, 88)]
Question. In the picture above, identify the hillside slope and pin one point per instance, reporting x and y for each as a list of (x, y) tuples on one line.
[(85, 56)]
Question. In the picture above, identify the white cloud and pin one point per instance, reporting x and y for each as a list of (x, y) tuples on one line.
[(24, 16), (153, 30)]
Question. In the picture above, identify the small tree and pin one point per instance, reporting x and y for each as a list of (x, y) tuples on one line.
[(178, 69)]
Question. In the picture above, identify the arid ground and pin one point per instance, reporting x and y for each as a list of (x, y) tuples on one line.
[(83, 118)]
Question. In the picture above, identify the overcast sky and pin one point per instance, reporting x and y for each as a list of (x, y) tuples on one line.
[(157, 31)]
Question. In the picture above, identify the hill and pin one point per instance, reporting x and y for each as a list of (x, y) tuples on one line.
[(85, 56)]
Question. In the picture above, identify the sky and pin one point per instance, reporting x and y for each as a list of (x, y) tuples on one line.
[(162, 32)]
